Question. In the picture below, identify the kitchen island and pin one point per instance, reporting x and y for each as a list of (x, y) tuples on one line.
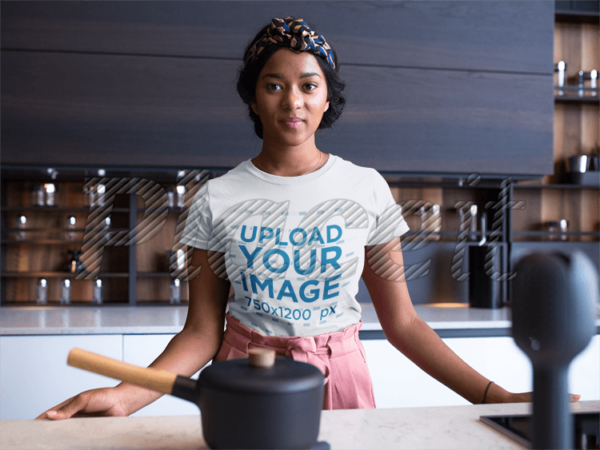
[(137, 335), (447, 319), (445, 427)]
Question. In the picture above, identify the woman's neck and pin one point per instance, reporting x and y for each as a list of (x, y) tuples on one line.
[(291, 163)]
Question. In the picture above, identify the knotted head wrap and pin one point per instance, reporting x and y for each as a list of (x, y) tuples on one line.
[(295, 34)]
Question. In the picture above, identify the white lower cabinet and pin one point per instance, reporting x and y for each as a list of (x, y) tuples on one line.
[(141, 350), (399, 383), (34, 375)]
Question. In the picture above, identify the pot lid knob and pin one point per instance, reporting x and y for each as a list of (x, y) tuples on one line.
[(263, 358)]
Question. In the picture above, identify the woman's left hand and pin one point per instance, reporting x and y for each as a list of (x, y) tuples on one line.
[(525, 397)]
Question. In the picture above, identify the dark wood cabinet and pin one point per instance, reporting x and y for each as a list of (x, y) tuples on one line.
[(437, 92), (451, 87)]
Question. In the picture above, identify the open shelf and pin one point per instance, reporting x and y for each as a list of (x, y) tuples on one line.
[(577, 16), (559, 99), (153, 274), (557, 233), (555, 186), (47, 209), (141, 270), (33, 274)]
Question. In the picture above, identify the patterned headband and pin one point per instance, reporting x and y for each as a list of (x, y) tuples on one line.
[(294, 33)]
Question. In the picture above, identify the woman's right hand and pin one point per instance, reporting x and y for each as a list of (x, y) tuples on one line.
[(92, 403)]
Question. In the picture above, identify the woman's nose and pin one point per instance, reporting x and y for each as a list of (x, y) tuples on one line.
[(292, 99)]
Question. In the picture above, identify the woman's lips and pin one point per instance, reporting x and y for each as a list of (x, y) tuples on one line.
[(293, 123)]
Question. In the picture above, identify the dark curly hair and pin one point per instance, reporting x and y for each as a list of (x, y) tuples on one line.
[(248, 77)]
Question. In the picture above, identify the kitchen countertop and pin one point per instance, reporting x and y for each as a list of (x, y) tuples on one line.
[(31, 320), (447, 319), (445, 427)]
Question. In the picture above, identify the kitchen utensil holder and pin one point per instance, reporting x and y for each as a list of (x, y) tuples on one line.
[(484, 292)]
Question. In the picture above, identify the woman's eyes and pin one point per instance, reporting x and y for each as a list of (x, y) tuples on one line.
[(272, 86)]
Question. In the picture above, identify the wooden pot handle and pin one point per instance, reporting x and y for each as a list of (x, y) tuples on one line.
[(155, 379)]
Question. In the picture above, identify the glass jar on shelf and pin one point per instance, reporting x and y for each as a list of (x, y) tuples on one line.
[(50, 190), (175, 291), (21, 226), (553, 227), (89, 196), (65, 297), (42, 291), (97, 298), (71, 235), (582, 80), (38, 195), (561, 68), (564, 228)]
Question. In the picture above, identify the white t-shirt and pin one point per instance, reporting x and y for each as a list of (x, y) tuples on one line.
[(294, 246)]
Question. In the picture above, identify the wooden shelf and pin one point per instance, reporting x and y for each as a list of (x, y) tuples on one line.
[(593, 100), (556, 233), (43, 241), (60, 275), (175, 210), (576, 16), (153, 274), (555, 186), (57, 209)]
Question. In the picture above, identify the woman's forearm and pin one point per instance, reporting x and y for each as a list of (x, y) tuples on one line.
[(185, 354), (424, 347)]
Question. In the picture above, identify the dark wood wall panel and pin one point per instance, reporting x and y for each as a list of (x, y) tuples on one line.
[(111, 109), (436, 87), (461, 35)]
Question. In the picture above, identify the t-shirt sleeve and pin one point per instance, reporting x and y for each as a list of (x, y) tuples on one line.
[(389, 223), (198, 225)]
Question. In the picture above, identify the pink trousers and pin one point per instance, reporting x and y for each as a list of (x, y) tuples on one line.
[(340, 356)]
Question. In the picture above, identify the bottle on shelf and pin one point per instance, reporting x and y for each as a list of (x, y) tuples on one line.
[(107, 224), (582, 77), (97, 298), (564, 228), (38, 195), (553, 228), (50, 189), (21, 225), (71, 222), (180, 196), (100, 195), (473, 225), (170, 197), (89, 196), (180, 259), (175, 291), (42, 291), (436, 219), (431, 222), (65, 297), (561, 68), (75, 264)]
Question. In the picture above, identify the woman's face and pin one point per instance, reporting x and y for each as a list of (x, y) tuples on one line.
[(290, 85)]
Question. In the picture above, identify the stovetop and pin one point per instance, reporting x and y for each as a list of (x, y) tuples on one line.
[(586, 428)]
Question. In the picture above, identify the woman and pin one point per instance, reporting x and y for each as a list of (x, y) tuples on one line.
[(292, 230)]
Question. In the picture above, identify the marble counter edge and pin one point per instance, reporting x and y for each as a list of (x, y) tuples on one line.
[(125, 320), (418, 427)]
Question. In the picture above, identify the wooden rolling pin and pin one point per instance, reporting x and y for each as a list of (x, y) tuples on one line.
[(150, 378), (155, 379)]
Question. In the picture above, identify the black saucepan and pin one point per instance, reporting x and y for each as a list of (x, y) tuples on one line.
[(259, 402)]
